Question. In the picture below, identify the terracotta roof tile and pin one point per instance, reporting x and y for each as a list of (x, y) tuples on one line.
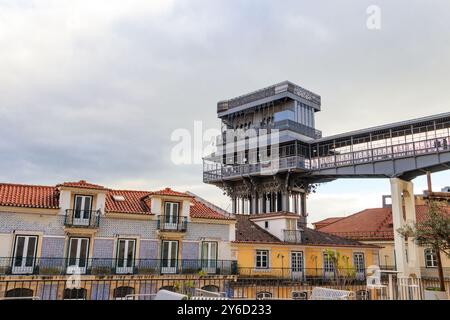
[(29, 196), (370, 224), (134, 202), (82, 184), (170, 192), (249, 232), (201, 210)]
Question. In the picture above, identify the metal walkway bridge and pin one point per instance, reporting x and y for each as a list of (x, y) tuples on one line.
[(403, 150)]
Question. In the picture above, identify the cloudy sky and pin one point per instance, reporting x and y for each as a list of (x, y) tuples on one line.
[(94, 89)]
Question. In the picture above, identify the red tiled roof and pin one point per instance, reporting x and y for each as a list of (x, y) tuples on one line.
[(170, 192), (327, 221), (135, 202), (28, 196), (82, 184), (138, 202), (370, 224), (201, 210)]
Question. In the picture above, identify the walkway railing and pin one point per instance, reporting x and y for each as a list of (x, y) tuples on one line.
[(335, 160), (231, 287)]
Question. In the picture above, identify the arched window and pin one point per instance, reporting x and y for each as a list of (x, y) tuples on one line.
[(430, 258), (211, 288), (299, 295), (122, 292), (19, 292), (263, 295), (362, 295), (75, 294)]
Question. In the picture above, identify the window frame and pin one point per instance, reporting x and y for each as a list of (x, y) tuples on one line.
[(133, 260), (430, 252), (24, 257), (258, 254)]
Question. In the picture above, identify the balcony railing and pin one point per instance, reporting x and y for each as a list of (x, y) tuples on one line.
[(294, 236), (97, 266), (172, 223), (82, 218), (304, 274)]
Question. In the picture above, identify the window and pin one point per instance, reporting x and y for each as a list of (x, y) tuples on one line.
[(262, 259), (266, 224), (125, 255), (430, 258), (297, 261), (171, 212), (291, 224), (121, 292), (19, 292), (169, 256), (75, 294), (358, 262), (78, 255), (24, 254), (263, 295), (328, 265), (209, 256), (82, 210)]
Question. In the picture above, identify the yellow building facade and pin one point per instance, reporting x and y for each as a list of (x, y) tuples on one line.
[(260, 253)]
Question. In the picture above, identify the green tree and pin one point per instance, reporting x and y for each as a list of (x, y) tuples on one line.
[(433, 232)]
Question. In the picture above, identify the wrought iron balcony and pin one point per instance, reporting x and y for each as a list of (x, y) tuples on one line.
[(82, 218), (172, 223), (109, 266), (294, 236)]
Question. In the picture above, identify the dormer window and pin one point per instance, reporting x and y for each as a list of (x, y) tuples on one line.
[(171, 214), (82, 210)]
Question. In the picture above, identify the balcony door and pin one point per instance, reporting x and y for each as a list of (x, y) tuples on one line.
[(359, 264), (328, 266), (209, 256), (171, 213), (82, 210), (78, 255), (24, 254), (297, 264), (169, 256), (125, 256)]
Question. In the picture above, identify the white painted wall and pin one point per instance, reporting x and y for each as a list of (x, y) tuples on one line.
[(232, 236), (224, 250), (185, 208), (64, 201), (276, 226), (156, 206), (101, 199)]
